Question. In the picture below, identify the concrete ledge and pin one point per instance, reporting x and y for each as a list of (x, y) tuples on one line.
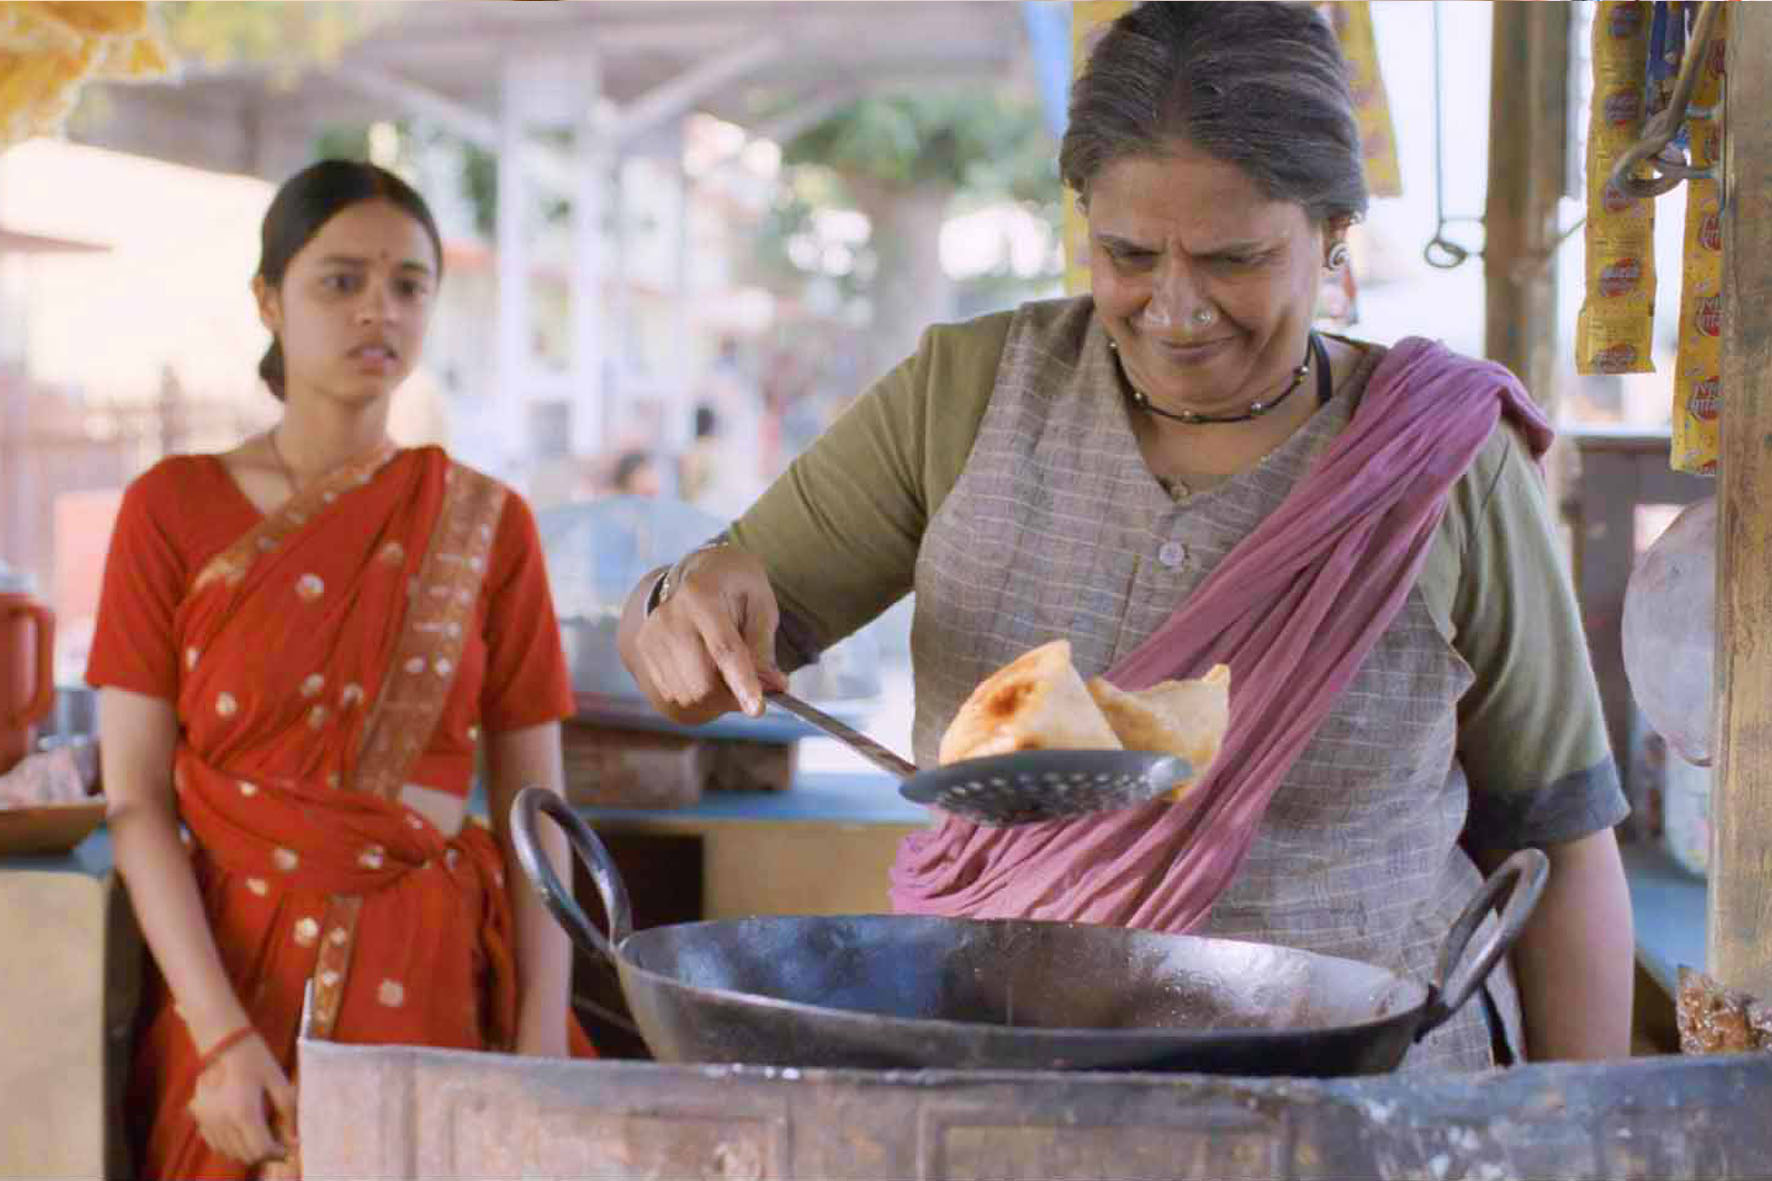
[(409, 1113)]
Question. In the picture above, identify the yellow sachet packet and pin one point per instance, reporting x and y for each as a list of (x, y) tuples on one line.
[(1698, 373), (1615, 328)]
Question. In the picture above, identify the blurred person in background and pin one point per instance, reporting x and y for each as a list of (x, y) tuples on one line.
[(727, 468), (635, 474)]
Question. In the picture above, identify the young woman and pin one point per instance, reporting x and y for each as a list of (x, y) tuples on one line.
[(301, 645)]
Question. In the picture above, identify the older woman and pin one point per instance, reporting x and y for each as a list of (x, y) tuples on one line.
[(1177, 470)]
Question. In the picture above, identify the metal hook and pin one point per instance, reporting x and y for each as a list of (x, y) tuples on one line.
[(1665, 124), (1441, 252)]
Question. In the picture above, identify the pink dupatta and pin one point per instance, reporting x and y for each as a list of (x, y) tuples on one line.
[(1294, 610)]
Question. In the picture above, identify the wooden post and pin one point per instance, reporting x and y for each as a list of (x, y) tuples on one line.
[(1740, 913), (1528, 145)]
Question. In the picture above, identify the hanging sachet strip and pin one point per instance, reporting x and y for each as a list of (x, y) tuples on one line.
[(1615, 329), (1698, 372)]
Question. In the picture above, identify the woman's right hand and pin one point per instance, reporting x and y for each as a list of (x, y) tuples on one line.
[(235, 1098), (710, 647)]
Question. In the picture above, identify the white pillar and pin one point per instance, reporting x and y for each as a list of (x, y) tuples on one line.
[(503, 429), (593, 167), (618, 314), (680, 405)]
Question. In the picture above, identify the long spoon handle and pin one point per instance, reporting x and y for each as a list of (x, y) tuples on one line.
[(870, 750)]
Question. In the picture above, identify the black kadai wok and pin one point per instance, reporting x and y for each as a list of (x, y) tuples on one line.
[(912, 992)]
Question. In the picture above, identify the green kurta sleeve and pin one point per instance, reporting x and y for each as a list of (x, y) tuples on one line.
[(840, 530), (1532, 737)]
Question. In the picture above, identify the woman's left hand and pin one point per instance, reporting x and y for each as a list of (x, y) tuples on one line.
[(516, 759)]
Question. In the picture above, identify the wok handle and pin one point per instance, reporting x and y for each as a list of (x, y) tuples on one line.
[(1519, 880), (555, 896)]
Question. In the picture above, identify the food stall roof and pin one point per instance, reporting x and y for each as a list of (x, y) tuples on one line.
[(770, 67)]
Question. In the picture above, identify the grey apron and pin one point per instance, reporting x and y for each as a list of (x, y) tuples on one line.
[(1057, 528)]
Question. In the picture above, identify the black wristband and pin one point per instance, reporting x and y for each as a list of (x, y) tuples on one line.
[(667, 582), (654, 595)]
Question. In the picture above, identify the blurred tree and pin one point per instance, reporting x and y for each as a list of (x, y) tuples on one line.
[(270, 32), (476, 168), (906, 162)]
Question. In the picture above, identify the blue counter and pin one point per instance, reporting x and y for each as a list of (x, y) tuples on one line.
[(1668, 905), (819, 798), (91, 857)]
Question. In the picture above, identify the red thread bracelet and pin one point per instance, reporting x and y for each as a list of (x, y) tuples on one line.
[(222, 1047)]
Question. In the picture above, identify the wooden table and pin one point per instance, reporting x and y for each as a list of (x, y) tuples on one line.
[(70, 981), (822, 847)]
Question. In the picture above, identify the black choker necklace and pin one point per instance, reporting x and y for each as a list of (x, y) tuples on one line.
[(1313, 348)]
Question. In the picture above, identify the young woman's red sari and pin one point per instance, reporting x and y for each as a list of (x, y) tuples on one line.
[(325, 657)]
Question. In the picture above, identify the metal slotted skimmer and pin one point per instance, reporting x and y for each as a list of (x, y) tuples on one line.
[(1027, 787)]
